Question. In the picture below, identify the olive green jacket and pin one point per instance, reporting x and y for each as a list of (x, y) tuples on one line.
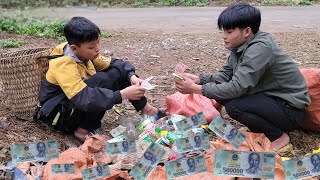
[(255, 67)]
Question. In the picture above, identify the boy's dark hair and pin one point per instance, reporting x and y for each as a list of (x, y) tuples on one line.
[(240, 15), (79, 30)]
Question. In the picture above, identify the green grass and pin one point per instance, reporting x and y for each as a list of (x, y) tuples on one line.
[(10, 43), (287, 2), (26, 25), (10, 4), (20, 24)]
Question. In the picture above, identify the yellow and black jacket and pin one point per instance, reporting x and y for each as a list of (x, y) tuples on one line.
[(65, 79)]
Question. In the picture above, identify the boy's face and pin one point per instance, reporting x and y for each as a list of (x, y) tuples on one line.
[(87, 50), (234, 38)]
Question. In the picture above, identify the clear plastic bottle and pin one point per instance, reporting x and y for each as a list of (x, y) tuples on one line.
[(130, 122)]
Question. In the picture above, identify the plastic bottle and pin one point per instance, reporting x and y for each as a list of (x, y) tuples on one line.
[(130, 122)]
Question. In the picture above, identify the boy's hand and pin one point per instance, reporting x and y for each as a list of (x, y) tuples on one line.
[(134, 92), (187, 86), (194, 78), (135, 80)]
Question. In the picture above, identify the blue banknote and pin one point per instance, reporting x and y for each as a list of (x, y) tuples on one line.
[(244, 164), (302, 167)]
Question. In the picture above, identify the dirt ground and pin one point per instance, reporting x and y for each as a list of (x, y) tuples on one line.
[(201, 52)]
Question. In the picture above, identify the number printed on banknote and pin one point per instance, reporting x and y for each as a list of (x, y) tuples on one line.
[(63, 168), (302, 167), (190, 122), (199, 141), (185, 166), (149, 160), (96, 172), (36, 151), (226, 131), (121, 147), (244, 164)]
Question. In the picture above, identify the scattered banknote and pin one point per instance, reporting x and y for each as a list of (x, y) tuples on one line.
[(190, 122), (302, 167), (185, 166), (121, 147), (62, 168), (117, 131), (117, 139), (96, 172), (180, 68), (244, 164), (149, 160), (199, 141), (226, 131), (146, 85), (36, 151)]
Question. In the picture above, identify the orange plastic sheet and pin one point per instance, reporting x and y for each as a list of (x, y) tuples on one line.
[(89, 155), (312, 117), (254, 142), (190, 104)]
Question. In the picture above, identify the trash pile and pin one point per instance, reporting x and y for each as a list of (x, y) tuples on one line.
[(173, 147)]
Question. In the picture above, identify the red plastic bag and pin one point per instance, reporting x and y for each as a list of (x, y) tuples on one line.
[(190, 104), (312, 117)]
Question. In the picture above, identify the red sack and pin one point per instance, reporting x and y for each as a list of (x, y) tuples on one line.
[(190, 104), (312, 117)]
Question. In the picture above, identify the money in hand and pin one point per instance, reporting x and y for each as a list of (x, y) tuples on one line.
[(188, 123), (185, 166), (180, 68), (96, 172), (121, 147), (226, 131), (199, 141), (117, 131), (302, 167), (149, 160), (32, 152), (62, 168), (244, 164), (146, 85)]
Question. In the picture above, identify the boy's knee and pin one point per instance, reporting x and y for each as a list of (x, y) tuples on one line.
[(232, 109)]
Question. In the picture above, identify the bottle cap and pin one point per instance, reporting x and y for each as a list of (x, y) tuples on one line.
[(156, 116), (157, 130)]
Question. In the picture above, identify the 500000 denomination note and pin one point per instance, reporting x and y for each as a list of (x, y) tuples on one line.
[(226, 131), (188, 123), (37, 151), (96, 172), (147, 162), (62, 169), (185, 166), (121, 147), (196, 142), (244, 164), (302, 167)]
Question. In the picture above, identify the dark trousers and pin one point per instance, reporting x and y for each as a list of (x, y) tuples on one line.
[(263, 114), (110, 79)]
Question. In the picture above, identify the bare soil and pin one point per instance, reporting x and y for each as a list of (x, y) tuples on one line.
[(202, 52)]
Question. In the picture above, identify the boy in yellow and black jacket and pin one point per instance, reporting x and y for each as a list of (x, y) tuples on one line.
[(80, 84)]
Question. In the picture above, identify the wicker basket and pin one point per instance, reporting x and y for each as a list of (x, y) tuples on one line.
[(20, 77)]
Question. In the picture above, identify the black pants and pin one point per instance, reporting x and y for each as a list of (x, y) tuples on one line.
[(110, 79), (264, 114)]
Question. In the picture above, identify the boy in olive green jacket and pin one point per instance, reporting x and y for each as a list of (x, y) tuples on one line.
[(260, 85)]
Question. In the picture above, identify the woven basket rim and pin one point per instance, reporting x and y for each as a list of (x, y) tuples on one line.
[(13, 54)]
